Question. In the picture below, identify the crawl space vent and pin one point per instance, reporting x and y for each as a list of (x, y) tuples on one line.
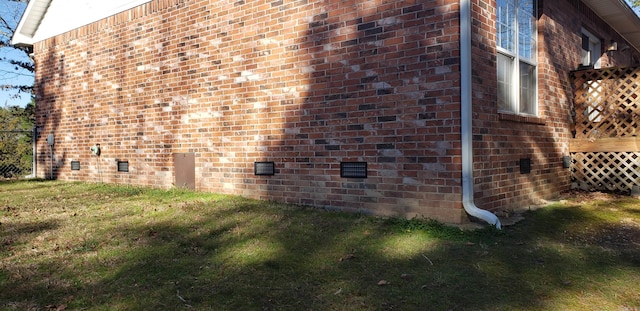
[(353, 169)]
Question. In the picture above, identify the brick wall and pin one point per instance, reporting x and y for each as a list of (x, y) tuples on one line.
[(501, 140), (305, 84)]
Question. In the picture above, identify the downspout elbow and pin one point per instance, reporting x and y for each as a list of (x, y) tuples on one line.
[(474, 211)]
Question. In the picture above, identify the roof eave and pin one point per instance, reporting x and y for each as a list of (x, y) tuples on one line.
[(29, 22), (620, 17), (21, 40)]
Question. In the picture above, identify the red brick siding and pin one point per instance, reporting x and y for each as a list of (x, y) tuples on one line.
[(500, 140), (305, 84)]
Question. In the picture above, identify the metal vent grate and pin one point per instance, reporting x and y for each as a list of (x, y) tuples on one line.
[(353, 169), (525, 165), (75, 165), (123, 166), (264, 168)]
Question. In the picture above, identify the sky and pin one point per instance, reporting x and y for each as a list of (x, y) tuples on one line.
[(12, 12), (637, 10)]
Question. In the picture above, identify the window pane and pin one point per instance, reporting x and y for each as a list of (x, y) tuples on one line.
[(527, 29), (591, 49), (594, 51), (505, 80), (516, 60), (586, 57), (527, 88), (506, 29)]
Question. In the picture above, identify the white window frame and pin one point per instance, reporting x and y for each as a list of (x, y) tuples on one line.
[(593, 55), (514, 74)]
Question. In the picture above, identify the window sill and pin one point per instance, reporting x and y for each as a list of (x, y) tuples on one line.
[(503, 116)]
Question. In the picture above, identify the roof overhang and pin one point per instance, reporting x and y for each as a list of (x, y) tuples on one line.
[(43, 19), (29, 22), (616, 13), (619, 15)]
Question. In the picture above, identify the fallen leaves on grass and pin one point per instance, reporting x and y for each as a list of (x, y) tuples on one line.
[(383, 283), (349, 256)]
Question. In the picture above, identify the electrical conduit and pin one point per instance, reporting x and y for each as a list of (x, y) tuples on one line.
[(466, 121)]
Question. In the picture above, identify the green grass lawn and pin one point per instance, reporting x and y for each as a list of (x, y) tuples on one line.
[(76, 246)]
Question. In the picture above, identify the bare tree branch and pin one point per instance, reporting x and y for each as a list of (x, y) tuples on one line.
[(15, 63)]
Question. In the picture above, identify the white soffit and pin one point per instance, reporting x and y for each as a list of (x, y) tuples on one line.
[(620, 17), (44, 19), (29, 22)]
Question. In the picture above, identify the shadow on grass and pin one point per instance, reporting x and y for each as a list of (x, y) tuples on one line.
[(238, 254), (34, 184), (21, 232)]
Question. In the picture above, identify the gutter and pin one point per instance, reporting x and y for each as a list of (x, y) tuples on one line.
[(466, 125)]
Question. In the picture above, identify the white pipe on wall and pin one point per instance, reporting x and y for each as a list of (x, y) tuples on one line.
[(466, 118)]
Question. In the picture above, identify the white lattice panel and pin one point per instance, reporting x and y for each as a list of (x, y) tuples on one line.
[(605, 171), (606, 102)]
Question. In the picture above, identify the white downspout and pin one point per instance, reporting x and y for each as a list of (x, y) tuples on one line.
[(466, 121)]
